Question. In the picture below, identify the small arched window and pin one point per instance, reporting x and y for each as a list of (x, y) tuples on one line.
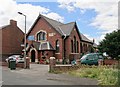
[(41, 36), (57, 46)]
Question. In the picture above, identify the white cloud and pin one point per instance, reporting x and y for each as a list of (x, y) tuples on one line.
[(107, 13), (55, 16), (9, 10), (67, 4)]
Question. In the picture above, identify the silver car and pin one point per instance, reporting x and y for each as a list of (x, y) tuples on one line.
[(17, 58)]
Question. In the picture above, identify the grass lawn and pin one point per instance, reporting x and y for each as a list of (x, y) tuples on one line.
[(105, 75)]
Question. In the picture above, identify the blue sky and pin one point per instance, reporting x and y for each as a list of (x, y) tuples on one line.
[(94, 18), (82, 20)]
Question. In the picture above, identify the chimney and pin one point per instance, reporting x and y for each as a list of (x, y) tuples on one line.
[(13, 22)]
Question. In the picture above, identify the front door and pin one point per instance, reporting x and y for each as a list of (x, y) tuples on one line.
[(33, 56)]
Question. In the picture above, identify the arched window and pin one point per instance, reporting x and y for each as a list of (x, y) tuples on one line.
[(72, 46), (57, 46), (41, 36), (77, 47), (75, 44), (81, 48)]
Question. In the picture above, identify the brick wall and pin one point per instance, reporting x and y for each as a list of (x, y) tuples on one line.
[(110, 62), (68, 45), (12, 38), (43, 25)]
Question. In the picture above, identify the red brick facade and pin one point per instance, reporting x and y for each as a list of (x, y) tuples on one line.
[(65, 50), (11, 39)]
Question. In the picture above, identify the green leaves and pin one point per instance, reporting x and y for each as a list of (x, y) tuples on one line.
[(111, 44)]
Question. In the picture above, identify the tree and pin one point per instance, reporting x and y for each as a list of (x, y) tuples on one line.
[(111, 44)]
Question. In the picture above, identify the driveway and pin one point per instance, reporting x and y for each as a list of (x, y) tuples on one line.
[(39, 75)]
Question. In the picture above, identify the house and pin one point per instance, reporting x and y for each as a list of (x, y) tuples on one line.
[(11, 39), (48, 37)]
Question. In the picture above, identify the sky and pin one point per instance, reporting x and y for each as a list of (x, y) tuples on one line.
[(94, 18)]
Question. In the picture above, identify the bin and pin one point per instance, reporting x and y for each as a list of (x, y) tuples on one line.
[(12, 64), (8, 64)]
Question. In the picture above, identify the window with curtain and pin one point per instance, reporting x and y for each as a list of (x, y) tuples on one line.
[(41, 36), (57, 46)]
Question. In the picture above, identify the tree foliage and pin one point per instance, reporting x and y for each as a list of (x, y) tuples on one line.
[(111, 44)]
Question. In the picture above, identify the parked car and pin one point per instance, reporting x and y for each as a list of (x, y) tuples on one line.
[(17, 58), (91, 58)]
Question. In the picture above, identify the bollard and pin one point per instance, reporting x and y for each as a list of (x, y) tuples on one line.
[(100, 62), (27, 63), (52, 64)]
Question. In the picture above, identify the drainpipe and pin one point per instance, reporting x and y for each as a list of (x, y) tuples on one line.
[(63, 43), (64, 51)]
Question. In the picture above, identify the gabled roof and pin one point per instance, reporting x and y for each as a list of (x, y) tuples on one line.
[(58, 26), (62, 29), (84, 38), (52, 22), (67, 28), (41, 46)]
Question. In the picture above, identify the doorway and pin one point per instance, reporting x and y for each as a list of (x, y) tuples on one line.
[(33, 56)]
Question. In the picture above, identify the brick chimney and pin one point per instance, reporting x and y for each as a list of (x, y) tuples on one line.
[(13, 22)]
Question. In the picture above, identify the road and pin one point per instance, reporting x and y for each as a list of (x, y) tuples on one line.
[(39, 75)]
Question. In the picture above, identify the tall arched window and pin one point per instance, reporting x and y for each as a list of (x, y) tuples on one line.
[(41, 36), (75, 44), (72, 46), (57, 46), (81, 48), (77, 47)]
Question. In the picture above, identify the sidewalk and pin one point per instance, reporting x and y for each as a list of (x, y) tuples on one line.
[(38, 75)]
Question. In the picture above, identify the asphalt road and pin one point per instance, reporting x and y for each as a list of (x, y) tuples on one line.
[(38, 75)]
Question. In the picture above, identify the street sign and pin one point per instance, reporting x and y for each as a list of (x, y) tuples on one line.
[(31, 37)]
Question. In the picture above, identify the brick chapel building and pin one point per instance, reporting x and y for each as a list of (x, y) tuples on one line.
[(11, 38), (48, 37)]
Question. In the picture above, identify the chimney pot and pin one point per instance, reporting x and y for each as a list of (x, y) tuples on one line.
[(13, 22)]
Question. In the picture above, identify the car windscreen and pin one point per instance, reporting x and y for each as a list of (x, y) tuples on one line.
[(84, 56), (100, 57), (16, 55)]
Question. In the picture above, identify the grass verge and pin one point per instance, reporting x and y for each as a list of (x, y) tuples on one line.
[(105, 76)]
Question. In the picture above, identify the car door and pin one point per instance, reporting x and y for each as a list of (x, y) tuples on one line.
[(95, 59), (90, 59)]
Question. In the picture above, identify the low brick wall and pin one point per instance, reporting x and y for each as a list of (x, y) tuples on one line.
[(19, 65), (110, 62), (65, 67), (4, 64)]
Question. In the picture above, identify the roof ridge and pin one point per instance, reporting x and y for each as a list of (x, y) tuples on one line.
[(84, 38), (67, 23), (50, 18), (1, 27)]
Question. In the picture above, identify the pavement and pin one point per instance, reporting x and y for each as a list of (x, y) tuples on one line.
[(38, 75)]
